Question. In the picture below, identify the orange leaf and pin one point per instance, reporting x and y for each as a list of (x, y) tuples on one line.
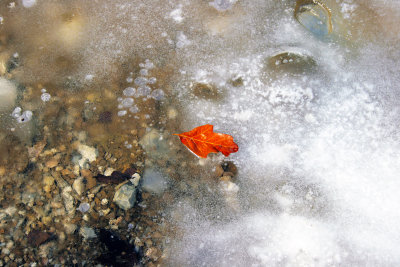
[(202, 140)]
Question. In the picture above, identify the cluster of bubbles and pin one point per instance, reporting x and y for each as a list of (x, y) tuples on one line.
[(143, 89), (127, 145), (21, 117)]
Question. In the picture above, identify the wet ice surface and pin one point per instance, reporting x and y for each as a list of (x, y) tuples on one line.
[(319, 154)]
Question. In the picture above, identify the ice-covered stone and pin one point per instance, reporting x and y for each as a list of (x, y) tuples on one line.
[(323, 18), (290, 62), (154, 144), (230, 191), (154, 181)]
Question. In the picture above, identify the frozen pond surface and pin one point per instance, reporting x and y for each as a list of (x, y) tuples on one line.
[(314, 111), (319, 153)]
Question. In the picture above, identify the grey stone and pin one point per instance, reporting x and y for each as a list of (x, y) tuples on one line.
[(125, 196), (68, 200)]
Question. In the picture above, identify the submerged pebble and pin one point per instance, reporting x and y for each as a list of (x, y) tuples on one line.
[(87, 233), (290, 62), (125, 196), (323, 18)]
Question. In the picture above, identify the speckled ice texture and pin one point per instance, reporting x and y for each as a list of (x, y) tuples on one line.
[(319, 154)]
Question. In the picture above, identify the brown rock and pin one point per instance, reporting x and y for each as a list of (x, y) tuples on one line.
[(230, 167), (156, 235), (86, 173), (219, 171), (2, 170), (34, 151), (36, 237), (53, 162), (90, 182), (228, 174), (67, 172)]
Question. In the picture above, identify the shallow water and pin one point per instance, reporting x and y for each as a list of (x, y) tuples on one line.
[(89, 88)]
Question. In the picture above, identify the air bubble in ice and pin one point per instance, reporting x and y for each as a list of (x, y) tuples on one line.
[(128, 146), (144, 72), (152, 80), (84, 207), (133, 109), (148, 64), (182, 40), (28, 3), (222, 5), (129, 91), (25, 117), (141, 81), (143, 91), (89, 77), (121, 113), (45, 97), (17, 112), (158, 94), (127, 102)]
